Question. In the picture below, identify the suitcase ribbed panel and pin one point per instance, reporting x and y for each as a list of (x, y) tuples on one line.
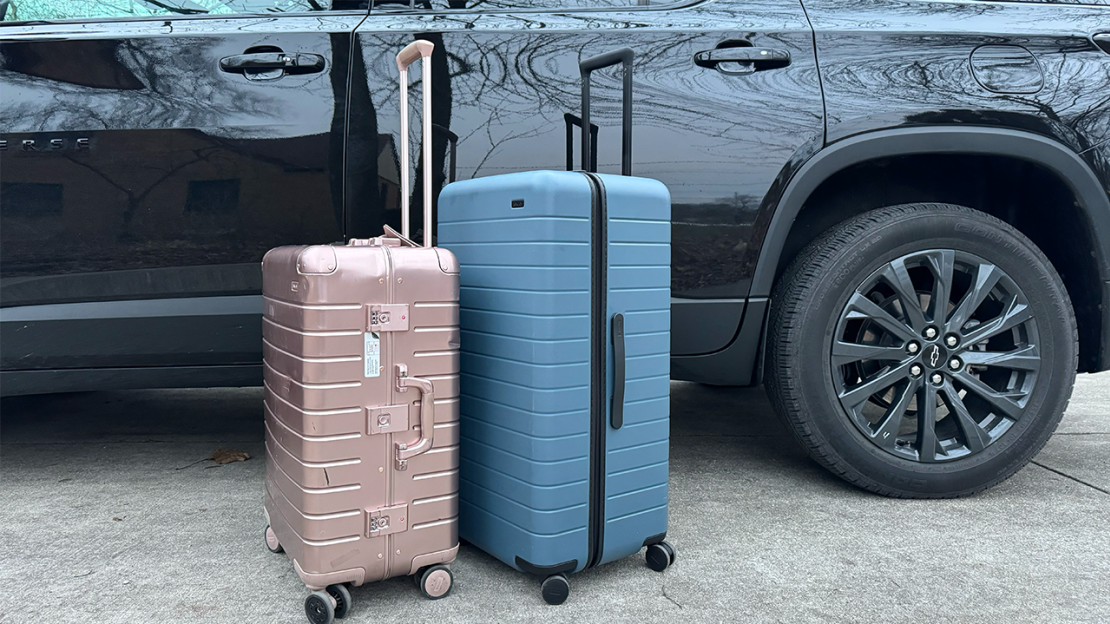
[(525, 388), (639, 287), (325, 468)]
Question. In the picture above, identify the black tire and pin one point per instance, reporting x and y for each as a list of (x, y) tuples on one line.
[(436, 581), (342, 597), (822, 293), (658, 557), (555, 589), (319, 608)]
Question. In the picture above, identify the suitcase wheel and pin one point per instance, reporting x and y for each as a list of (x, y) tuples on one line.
[(342, 597), (435, 581), (272, 541), (660, 556), (670, 550), (320, 608), (555, 589)]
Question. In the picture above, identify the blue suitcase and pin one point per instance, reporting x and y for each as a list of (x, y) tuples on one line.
[(565, 370)]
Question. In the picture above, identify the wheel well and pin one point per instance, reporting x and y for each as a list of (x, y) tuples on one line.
[(1028, 196)]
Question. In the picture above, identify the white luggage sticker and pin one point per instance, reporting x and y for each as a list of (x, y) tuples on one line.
[(372, 352)]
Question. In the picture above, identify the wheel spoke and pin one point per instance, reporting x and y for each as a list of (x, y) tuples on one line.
[(860, 307), (886, 435), (898, 277), (854, 397), (1026, 358), (848, 352), (927, 423), (943, 263), (975, 437), (1016, 313), (986, 276), (1004, 402)]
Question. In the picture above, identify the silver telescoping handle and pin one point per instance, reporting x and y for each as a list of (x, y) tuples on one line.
[(412, 52)]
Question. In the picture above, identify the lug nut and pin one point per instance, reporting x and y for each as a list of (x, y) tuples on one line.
[(915, 370), (930, 332), (955, 364), (912, 347), (937, 378), (951, 341)]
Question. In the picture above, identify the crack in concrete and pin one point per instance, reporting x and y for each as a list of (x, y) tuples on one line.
[(1076, 479), (672, 600)]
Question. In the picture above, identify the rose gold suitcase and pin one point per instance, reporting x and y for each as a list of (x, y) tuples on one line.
[(361, 366)]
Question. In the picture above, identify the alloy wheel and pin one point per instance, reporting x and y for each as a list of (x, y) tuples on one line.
[(935, 355)]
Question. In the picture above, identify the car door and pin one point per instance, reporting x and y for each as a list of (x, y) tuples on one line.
[(727, 105), (151, 153)]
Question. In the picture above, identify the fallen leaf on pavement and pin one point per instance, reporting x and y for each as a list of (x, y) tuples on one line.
[(227, 456), (117, 519)]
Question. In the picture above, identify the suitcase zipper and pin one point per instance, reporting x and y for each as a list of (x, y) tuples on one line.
[(599, 238)]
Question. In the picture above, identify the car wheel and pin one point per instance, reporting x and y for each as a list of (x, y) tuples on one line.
[(922, 350)]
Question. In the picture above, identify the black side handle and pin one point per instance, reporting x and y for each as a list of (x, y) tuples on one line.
[(623, 56), (617, 410), (572, 121)]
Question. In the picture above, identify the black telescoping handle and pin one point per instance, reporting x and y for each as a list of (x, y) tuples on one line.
[(572, 121), (623, 56), (617, 411)]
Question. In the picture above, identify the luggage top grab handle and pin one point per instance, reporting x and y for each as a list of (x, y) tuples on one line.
[(587, 67), (413, 52)]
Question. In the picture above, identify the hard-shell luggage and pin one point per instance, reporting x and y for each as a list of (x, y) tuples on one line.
[(361, 365), (565, 317)]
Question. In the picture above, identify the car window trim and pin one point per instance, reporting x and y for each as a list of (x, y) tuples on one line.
[(178, 18), (632, 8)]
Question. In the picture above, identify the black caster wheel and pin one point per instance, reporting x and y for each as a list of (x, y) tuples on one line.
[(342, 597), (659, 556), (272, 541), (555, 589), (436, 581), (670, 550), (320, 608)]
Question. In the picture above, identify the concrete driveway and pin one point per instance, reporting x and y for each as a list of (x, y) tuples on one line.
[(110, 514)]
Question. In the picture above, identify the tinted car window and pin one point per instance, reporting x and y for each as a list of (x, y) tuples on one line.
[(26, 10)]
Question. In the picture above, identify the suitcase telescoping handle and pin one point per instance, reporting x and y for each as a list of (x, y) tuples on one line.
[(624, 56), (427, 416), (413, 52)]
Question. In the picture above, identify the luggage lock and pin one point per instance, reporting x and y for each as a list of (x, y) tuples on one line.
[(389, 317), (387, 419), (386, 520)]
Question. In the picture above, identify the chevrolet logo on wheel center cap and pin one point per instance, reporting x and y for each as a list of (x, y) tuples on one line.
[(935, 356)]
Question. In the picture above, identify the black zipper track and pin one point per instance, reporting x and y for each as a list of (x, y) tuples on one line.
[(599, 261)]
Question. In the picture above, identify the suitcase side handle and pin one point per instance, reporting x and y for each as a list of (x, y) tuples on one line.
[(624, 56), (427, 416), (617, 410), (409, 55)]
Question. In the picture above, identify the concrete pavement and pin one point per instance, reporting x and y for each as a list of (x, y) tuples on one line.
[(108, 516)]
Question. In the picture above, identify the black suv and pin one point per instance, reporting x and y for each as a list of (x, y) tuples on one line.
[(894, 213)]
